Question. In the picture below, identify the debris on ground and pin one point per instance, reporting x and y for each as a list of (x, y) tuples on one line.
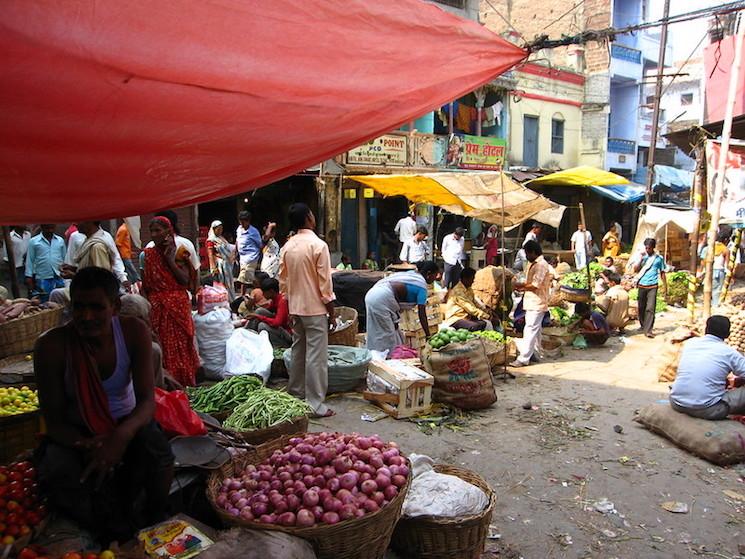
[(604, 506), (675, 507), (618, 429), (556, 428), (441, 416)]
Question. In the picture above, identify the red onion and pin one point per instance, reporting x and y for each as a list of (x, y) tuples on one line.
[(284, 476), (324, 494), (371, 506), (293, 502), (295, 441), (331, 504), (258, 508), (222, 500), (304, 448), (347, 511), (280, 507), (310, 498), (286, 519), (305, 518), (398, 481), (330, 518), (382, 481), (378, 497), (317, 512), (234, 511), (369, 487), (333, 484), (390, 492), (376, 461), (396, 461), (364, 443), (365, 476), (403, 470), (300, 488), (308, 460), (306, 469), (319, 481), (246, 514), (342, 465), (275, 484), (345, 496), (241, 504), (267, 518), (317, 471), (349, 480)]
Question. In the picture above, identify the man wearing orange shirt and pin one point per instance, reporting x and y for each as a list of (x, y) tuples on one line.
[(124, 245), (305, 279)]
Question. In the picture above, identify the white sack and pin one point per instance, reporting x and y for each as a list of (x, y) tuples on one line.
[(248, 353), (213, 330)]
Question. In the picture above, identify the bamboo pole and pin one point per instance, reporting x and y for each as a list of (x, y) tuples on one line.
[(721, 168), (730, 267), (697, 203), (587, 251), (14, 287)]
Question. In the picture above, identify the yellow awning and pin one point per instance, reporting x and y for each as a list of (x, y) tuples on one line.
[(472, 194), (579, 176)]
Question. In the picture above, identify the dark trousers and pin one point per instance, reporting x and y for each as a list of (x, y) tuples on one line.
[(108, 511), (647, 303), (451, 275), (471, 325)]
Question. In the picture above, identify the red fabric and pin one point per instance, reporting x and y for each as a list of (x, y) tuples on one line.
[(120, 108), (281, 319), (93, 404), (171, 318)]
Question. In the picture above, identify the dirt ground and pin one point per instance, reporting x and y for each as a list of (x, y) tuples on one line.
[(550, 481)]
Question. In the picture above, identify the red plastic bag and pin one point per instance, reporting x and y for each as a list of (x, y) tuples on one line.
[(173, 412)]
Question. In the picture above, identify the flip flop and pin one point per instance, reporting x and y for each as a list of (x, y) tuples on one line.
[(329, 413)]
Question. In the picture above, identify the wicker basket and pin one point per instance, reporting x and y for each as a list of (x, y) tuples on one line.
[(575, 295), (259, 436), (429, 537), (18, 433), (348, 334), (358, 538), (19, 335)]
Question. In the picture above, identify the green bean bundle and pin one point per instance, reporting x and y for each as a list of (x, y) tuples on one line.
[(265, 407), (224, 395)]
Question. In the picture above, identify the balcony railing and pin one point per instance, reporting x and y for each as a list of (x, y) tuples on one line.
[(619, 145), (625, 53)]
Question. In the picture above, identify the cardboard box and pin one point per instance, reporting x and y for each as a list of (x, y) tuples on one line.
[(408, 388)]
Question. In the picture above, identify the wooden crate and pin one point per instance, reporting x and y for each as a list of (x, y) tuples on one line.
[(408, 388), (410, 317)]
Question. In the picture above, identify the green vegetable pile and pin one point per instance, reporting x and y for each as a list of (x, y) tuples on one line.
[(279, 352), (677, 287), (562, 317), (578, 279), (492, 335), (448, 335), (224, 395), (265, 407)]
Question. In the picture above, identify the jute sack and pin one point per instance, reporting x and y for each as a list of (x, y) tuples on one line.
[(719, 442), (462, 374), (496, 354), (669, 361)]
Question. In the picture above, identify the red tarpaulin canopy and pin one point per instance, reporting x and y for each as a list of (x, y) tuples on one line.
[(116, 108)]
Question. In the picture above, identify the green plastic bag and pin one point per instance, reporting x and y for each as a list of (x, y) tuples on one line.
[(579, 342)]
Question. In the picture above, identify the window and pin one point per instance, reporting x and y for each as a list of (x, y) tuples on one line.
[(557, 135), (686, 99), (454, 3)]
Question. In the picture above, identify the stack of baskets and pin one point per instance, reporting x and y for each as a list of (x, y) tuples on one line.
[(19, 335), (575, 295), (428, 537), (346, 335), (366, 537)]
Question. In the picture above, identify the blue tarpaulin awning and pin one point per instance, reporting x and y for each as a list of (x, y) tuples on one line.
[(624, 193), (671, 178)]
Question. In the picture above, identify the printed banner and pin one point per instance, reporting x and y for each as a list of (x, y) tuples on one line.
[(733, 195), (385, 150), (475, 152)]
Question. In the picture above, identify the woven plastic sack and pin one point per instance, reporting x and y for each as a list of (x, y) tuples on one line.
[(719, 442), (213, 329), (462, 374), (212, 297)]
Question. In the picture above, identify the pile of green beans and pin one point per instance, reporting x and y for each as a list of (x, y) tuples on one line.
[(265, 407), (224, 395)]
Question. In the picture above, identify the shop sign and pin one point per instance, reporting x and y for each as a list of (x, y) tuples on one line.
[(733, 196), (475, 152), (386, 150)]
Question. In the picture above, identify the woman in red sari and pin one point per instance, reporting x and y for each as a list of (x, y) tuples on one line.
[(167, 276)]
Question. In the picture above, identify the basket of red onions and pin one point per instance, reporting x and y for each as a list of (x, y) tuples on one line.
[(342, 492)]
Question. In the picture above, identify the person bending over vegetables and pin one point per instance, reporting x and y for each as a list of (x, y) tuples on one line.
[(96, 394), (463, 310), (384, 300), (593, 325)]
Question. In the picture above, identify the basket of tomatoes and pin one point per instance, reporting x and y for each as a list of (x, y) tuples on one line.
[(22, 509)]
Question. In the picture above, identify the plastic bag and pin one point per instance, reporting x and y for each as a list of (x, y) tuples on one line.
[(212, 297), (433, 494), (248, 353), (579, 342), (213, 330), (258, 544), (175, 416)]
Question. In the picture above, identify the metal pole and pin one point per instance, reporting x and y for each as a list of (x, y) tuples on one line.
[(656, 111), (14, 287), (716, 208)]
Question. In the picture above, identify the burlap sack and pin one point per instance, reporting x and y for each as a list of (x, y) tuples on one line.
[(719, 442), (462, 374), (669, 360), (487, 285)]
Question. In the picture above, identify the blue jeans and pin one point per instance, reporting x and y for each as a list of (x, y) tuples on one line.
[(717, 282), (46, 286)]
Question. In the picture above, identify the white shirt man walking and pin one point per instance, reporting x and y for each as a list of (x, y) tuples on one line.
[(535, 302), (405, 229), (453, 256), (581, 243)]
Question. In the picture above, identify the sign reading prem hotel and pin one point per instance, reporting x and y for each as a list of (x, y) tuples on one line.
[(386, 150)]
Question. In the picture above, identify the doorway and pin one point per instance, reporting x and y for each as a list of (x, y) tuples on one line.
[(530, 141)]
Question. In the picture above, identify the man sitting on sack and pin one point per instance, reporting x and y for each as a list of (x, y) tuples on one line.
[(700, 387)]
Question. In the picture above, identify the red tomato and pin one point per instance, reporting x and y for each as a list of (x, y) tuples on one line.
[(3, 478), (13, 519), (12, 505), (90, 555), (15, 476), (3, 527), (3, 490), (13, 530), (27, 553), (25, 530), (72, 555), (23, 466)]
